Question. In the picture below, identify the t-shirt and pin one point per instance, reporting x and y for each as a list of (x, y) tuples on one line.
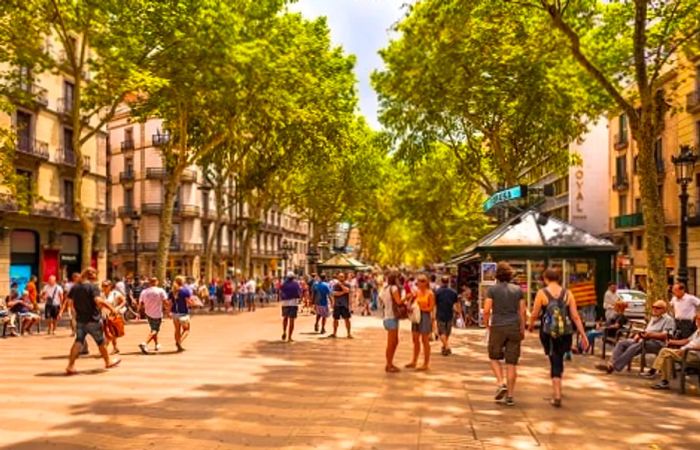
[(661, 324), (290, 293), (506, 304), (53, 294), (446, 298), (386, 296), (610, 299), (228, 288), (693, 341), (322, 291), (152, 299), (251, 286), (31, 291), (342, 300), (179, 305), (83, 296), (684, 307), (618, 319)]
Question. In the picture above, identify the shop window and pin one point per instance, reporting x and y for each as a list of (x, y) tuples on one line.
[(639, 242)]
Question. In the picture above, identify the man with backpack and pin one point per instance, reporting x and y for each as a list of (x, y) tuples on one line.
[(504, 316)]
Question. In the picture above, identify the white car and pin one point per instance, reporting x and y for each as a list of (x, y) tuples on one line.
[(636, 303)]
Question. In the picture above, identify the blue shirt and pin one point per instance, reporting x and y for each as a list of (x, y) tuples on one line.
[(180, 301), (323, 290)]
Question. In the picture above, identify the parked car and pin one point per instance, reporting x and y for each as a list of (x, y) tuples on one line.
[(636, 303)]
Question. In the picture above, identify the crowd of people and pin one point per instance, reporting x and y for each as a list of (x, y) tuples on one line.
[(431, 306)]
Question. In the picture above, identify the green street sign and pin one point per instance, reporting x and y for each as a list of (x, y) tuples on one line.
[(506, 195)]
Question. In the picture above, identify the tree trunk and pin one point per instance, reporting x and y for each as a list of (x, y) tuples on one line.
[(87, 223), (166, 223)]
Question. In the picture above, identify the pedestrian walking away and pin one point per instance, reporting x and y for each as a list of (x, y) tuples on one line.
[(394, 309), (290, 295), (86, 302), (153, 299), (322, 292), (504, 316), (420, 332), (52, 295), (447, 303), (341, 305), (556, 309), (180, 311)]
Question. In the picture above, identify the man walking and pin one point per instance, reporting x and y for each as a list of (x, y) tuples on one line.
[(504, 316), (341, 305), (321, 293), (446, 298), (152, 300), (87, 301), (290, 294), (52, 295)]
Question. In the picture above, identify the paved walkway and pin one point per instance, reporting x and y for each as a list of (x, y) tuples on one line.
[(238, 387)]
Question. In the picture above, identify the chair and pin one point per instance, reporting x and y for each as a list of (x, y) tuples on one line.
[(687, 368), (613, 340)]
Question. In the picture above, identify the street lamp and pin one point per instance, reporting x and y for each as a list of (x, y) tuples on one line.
[(134, 219), (312, 258), (285, 248), (684, 164)]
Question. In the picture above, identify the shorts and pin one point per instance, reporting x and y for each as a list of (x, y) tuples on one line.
[(51, 312), (323, 311), (227, 299), (290, 312), (184, 319), (426, 324), (444, 328), (341, 311), (154, 324), (94, 329), (391, 324), (504, 343)]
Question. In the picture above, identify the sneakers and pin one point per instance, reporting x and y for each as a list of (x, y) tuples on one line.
[(316, 328), (446, 352), (509, 401), (157, 347), (501, 392), (662, 385), (284, 336), (144, 348), (651, 374), (323, 331)]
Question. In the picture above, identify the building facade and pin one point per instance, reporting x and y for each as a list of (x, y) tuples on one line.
[(681, 127), (46, 238)]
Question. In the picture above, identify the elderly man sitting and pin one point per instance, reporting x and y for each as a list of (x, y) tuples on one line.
[(664, 361), (652, 339)]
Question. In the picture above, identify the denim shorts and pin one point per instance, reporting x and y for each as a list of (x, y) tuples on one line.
[(94, 329), (391, 324)]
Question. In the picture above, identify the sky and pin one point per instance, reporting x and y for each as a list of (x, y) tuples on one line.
[(361, 27)]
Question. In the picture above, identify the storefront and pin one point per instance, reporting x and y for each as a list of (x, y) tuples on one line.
[(531, 242), (24, 256), (70, 258)]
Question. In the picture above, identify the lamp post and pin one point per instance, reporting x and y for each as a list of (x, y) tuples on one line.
[(312, 258), (286, 248), (134, 219), (684, 163)]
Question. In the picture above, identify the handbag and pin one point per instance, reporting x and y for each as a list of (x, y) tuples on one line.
[(415, 315), (115, 325), (400, 310)]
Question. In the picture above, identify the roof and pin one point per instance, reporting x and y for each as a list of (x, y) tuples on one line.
[(523, 231), (343, 261)]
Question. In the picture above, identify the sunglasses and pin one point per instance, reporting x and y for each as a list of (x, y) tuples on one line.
[(657, 307)]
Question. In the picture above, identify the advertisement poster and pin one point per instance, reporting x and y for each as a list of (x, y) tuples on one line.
[(488, 273), (20, 273)]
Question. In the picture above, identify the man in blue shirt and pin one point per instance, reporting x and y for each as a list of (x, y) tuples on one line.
[(290, 294), (321, 293)]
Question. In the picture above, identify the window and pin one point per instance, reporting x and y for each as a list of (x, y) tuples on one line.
[(67, 142), (661, 194), (637, 205), (25, 78), (129, 134), (175, 238), (128, 199), (659, 155), (622, 123), (205, 236), (621, 168), (622, 205), (129, 234), (68, 91), (638, 242), (24, 131), (129, 165), (68, 194)]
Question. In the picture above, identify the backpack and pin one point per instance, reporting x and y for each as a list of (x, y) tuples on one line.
[(556, 321)]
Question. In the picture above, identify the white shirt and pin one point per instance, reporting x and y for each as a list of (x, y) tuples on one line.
[(610, 299), (693, 341), (251, 286), (684, 307), (388, 301), (53, 294), (243, 288)]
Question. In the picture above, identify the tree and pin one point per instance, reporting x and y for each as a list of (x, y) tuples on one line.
[(466, 75), (92, 43), (626, 48)]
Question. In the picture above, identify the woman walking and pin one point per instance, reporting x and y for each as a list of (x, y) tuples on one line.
[(425, 298), (394, 309), (556, 308), (180, 311), (114, 298)]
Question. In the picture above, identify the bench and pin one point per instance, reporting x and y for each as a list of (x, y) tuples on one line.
[(686, 369)]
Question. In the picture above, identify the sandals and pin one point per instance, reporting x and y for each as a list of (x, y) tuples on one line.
[(70, 372), (555, 402), (410, 366), (113, 364), (392, 369)]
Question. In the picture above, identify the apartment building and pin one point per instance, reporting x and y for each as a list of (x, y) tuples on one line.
[(681, 127), (578, 196), (46, 239)]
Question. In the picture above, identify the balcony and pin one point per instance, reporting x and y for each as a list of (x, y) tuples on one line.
[(153, 209), (125, 211), (188, 211), (628, 221), (156, 173), (33, 148), (36, 95), (153, 246), (127, 176), (64, 106), (86, 163), (127, 145), (620, 141), (692, 104), (54, 210), (159, 140), (189, 176), (188, 247), (66, 157)]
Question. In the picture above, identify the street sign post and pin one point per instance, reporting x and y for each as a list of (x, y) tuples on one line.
[(506, 195)]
